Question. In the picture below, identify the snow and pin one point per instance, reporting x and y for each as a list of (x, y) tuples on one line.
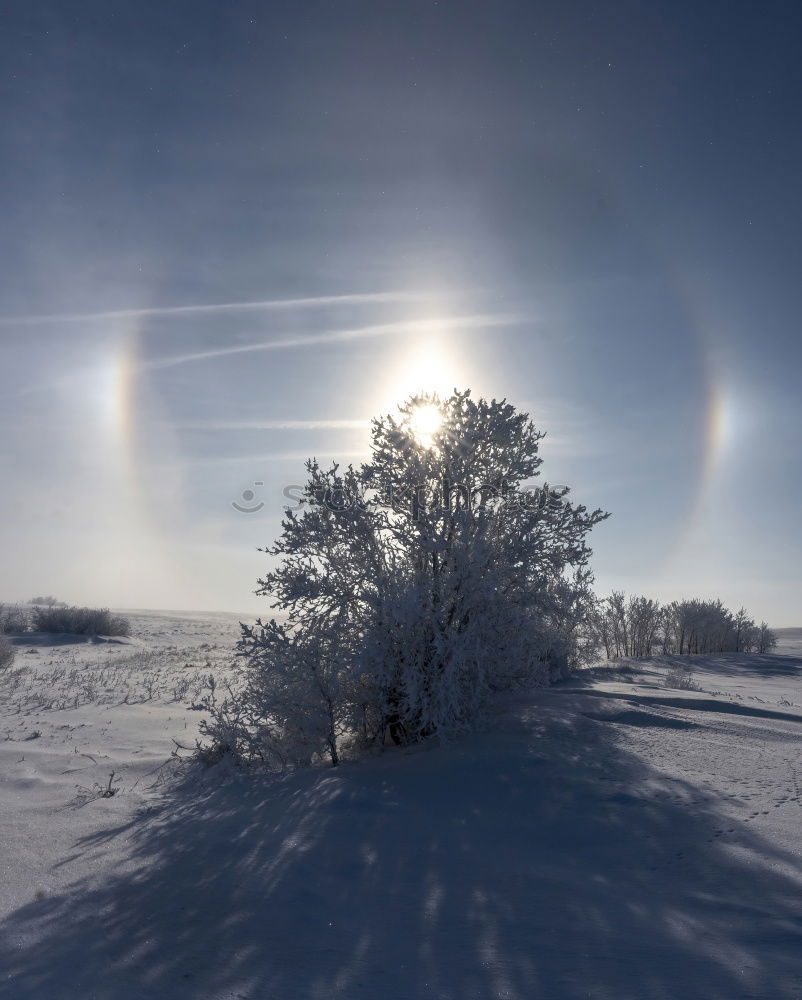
[(608, 838), (789, 641)]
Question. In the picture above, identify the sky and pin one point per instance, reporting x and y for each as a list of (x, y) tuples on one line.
[(232, 233)]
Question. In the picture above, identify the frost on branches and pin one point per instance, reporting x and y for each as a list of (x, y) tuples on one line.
[(412, 588)]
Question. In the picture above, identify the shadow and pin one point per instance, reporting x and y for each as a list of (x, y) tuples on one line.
[(539, 859), (744, 664), (693, 704), (643, 720), (737, 665), (64, 639)]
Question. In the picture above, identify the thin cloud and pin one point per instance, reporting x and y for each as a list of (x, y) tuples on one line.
[(214, 307), (339, 336)]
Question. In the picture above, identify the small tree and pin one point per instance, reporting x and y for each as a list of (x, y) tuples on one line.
[(628, 627), (414, 586), (766, 638), (48, 602), (744, 631)]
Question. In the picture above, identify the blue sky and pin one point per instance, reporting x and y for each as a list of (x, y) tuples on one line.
[(591, 209)]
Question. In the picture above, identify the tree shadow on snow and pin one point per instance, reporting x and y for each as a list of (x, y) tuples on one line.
[(691, 703), (540, 860), (741, 665)]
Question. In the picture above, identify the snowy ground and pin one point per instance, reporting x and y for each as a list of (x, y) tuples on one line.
[(789, 641), (608, 839)]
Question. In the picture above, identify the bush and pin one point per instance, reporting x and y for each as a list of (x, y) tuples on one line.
[(680, 678), (7, 652), (13, 618), (79, 621)]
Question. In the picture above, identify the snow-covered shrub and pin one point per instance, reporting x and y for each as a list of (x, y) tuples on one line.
[(226, 731), (79, 621), (7, 652), (298, 701), (413, 587), (13, 618), (680, 678)]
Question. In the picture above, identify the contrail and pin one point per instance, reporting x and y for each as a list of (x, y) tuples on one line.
[(271, 425), (275, 456), (339, 336), (215, 307)]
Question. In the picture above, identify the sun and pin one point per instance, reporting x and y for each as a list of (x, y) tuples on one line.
[(424, 422)]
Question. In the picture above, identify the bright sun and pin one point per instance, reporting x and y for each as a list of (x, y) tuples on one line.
[(424, 422)]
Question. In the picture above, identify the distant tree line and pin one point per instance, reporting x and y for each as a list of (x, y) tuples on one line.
[(640, 626)]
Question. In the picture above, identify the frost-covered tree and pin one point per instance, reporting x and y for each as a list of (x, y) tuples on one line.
[(766, 638), (48, 602), (414, 586), (628, 626), (744, 631)]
